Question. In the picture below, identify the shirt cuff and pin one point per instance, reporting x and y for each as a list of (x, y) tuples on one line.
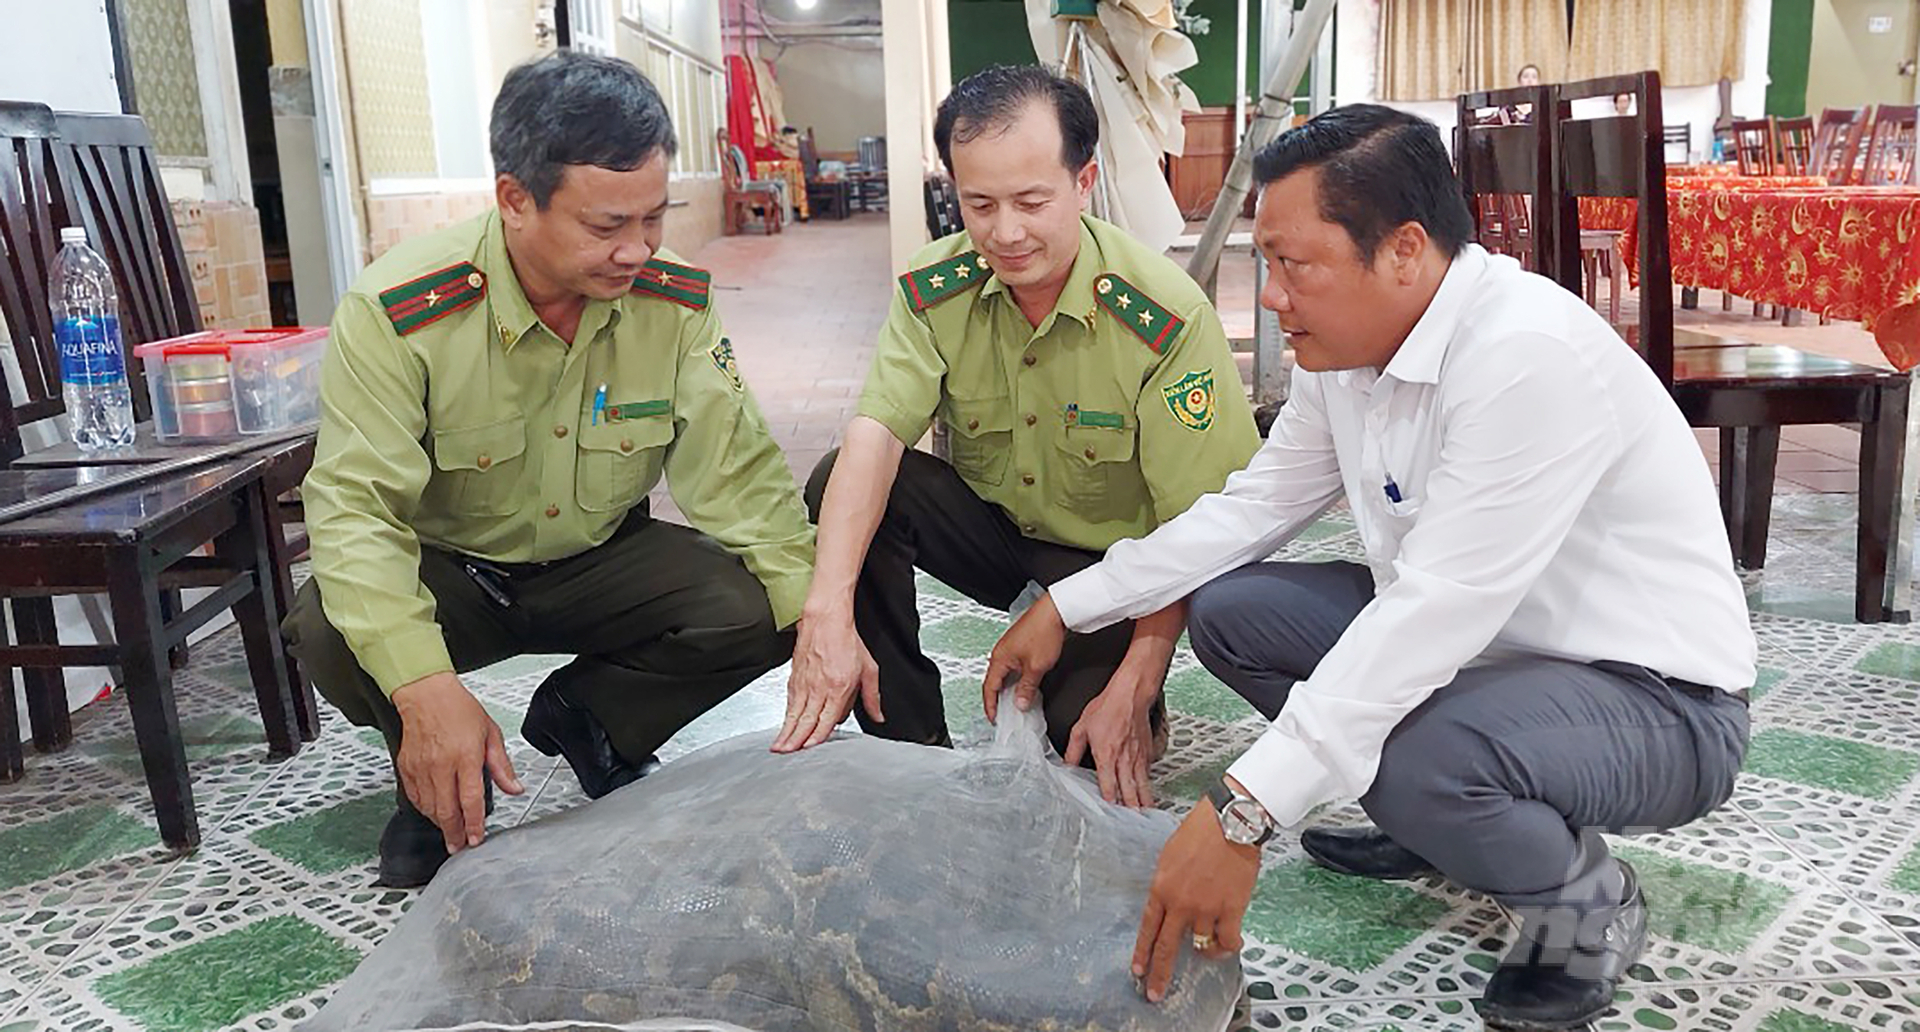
[(399, 659), (1283, 776), (786, 595), (1083, 601), (902, 424)]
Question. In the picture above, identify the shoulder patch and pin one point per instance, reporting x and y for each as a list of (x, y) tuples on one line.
[(683, 285), (722, 355), (431, 298), (935, 283), (1152, 323)]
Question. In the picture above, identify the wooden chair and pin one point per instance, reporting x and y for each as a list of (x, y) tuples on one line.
[(744, 198), (1754, 146), (1504, 168), (943, 207), (828, 198), (1747, 391), (1678, 134), (1836, 145), (98, 172), (1796, 139), (1890, 144)]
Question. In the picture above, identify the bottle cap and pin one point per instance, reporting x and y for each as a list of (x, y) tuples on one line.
[(73, 235)]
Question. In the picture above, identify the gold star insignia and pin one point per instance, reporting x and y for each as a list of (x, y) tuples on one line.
[(665, 276), (1124, 301), (433, 298), (1105, 286), (1146, 318), (962, 271), (936, 281)]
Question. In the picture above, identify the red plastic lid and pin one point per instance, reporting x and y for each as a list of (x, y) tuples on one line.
[(221, 342)]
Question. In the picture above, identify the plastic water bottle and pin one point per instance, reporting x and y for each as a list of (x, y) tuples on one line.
[(86, 326)]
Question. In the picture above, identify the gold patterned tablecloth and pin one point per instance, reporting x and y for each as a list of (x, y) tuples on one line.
[(796, 176)]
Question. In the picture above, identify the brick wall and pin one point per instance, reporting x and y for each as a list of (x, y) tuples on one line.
[(224, 259)]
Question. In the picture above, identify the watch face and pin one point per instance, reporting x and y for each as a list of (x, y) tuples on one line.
[(1240, 824)]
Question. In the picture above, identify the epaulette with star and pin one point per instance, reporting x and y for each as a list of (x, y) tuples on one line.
[(1148, 320), (670, 281), (431, 298), (944, 279)]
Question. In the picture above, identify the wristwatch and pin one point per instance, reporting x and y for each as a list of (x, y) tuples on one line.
[(1244, 821)]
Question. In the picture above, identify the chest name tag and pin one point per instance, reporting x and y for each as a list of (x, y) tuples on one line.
[(1077, 416), (638, 409)]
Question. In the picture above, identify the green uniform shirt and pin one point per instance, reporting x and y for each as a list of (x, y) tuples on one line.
[(480, 431), (1106, 420)]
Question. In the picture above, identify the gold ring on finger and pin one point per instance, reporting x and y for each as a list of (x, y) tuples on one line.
[(1202, 943)]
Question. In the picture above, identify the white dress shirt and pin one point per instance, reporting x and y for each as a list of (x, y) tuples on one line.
[(1551, 502)]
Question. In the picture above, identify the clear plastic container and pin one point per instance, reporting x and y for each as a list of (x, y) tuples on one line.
[(226, 383)]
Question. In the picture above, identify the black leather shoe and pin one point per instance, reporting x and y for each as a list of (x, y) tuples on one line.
[(1548, 986), (412, 848), (558, 728), (1363, 852)]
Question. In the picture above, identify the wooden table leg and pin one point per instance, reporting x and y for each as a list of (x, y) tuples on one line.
[(134, 593), (1883, 445)]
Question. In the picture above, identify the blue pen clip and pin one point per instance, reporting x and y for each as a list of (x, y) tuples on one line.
[(1393, 490), (599, 402)]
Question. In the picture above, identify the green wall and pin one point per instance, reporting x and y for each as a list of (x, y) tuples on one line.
[(982, 33), (1789, 43)]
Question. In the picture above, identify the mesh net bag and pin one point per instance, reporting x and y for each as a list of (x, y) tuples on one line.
[(859, 885)]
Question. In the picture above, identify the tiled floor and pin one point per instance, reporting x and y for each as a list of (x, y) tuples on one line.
[(1796, 908)]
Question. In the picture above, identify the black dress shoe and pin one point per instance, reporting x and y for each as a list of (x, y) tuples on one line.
[(412, 848), (1548, 986), (1364, 852), (556, 727)]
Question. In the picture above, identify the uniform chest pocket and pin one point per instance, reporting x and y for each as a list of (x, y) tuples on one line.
[(1096, 477), (478, 470), (980, 438), (618, 463)]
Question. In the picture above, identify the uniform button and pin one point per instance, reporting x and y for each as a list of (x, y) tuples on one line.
[(626, 446), (973, 424), (483, 461), (1027, 529), (1032, 419), (1030, 358), (1090, 453), (1027, 479), (552, 511), (559, 431)]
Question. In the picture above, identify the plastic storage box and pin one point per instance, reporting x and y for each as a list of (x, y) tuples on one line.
[(226, 383)]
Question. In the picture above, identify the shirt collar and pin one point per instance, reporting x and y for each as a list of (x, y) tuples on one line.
[(512, 312), (1076, 296), (1420, 355)]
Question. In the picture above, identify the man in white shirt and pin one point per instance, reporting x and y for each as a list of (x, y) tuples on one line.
[(1547, 640)]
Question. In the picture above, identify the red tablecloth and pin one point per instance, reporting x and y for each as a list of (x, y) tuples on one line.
[(1617, 213), (1841, 252)]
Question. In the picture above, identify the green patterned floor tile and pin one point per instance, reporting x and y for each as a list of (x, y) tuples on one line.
[(1858, 768), (1193, 783), (218, 981), (1199, 693), (962, 637), (326, 841), (68, 841), (207, 737), (1906, 877), (966, 715), (1892, 659), (1705, 906), (1790, 1020), (928, 586), (1350, 923), (1764, 680), (1830, 607)]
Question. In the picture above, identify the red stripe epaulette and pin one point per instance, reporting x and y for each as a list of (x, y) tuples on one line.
[(430, 298), (671, 281), (943, 279)]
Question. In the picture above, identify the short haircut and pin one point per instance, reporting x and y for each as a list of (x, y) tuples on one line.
[(1379, 169), (990, 100), (570, 108)]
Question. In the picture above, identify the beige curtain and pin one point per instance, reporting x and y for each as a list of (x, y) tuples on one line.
[(1690, 42), (1438, 49)]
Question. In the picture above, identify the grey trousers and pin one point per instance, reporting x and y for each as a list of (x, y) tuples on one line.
[(1505, 778)]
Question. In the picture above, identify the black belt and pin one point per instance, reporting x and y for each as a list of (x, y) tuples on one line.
[(1703, 691)]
